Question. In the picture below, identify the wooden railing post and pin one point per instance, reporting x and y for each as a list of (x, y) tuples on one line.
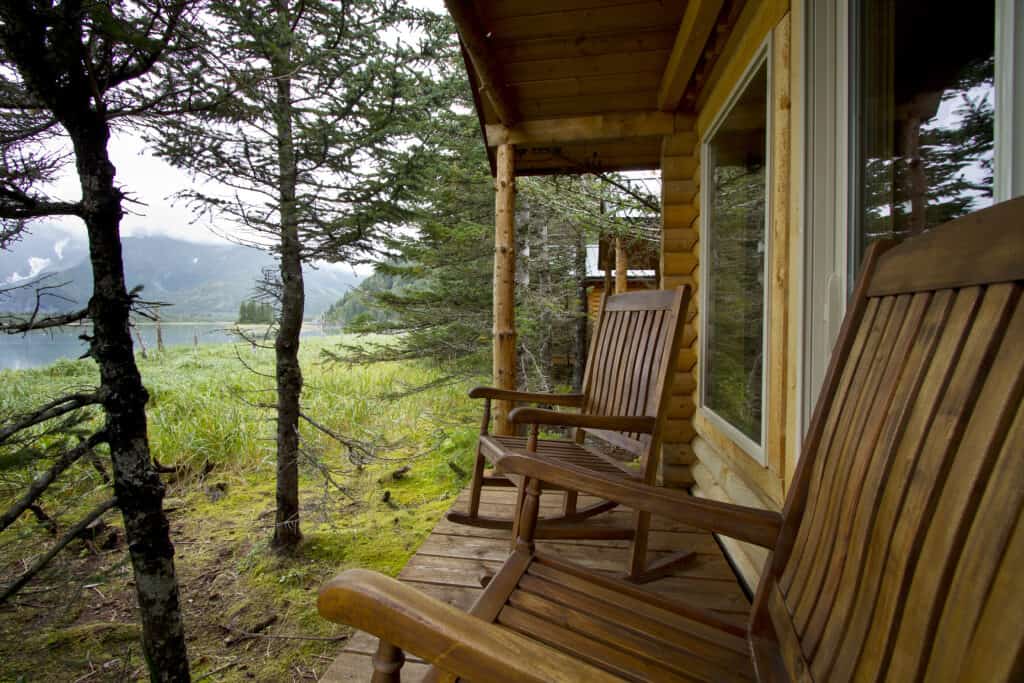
[(387, 663), (504, 362)]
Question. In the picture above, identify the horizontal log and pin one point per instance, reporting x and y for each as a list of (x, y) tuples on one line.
[(617, 126)]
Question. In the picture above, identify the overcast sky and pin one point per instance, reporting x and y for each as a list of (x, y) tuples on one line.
[(153, 182)]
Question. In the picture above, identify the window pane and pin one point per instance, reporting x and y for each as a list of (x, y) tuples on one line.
[(736, 251), (924, 92)]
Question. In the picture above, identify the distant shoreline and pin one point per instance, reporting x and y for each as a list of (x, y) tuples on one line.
[(150, 323)]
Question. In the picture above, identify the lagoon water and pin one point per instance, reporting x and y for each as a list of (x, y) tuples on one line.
[(40, 348)]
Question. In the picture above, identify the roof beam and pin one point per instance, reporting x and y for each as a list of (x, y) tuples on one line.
[(588, 128), (694, 29), (488, 71)]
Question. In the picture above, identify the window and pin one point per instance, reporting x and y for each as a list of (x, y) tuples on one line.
[(878, 161), (735, 245), (924, 98)]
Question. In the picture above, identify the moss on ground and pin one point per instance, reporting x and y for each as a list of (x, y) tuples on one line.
[(78, 619)]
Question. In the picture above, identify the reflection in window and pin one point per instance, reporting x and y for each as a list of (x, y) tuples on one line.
[(734, 358), (925, 95)]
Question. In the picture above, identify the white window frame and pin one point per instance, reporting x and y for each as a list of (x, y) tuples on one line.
[(755, 450), (829, 76), (826, 215), (1009, 138)]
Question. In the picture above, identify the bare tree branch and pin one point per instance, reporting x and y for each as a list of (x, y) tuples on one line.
[(71, 535), (40, 483), (55, 408)]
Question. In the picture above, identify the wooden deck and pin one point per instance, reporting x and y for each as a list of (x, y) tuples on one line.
[(453, 559)]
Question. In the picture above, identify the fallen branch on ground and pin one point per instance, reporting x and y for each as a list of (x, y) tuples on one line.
[(245, 635), (40, 483), (73, 533)]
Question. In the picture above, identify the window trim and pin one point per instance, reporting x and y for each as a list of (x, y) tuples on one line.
[(1009, 105), (761, 57)]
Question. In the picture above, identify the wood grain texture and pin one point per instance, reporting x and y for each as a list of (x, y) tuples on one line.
[(958, 253), (625, 404), (504, 333), (453, 562)]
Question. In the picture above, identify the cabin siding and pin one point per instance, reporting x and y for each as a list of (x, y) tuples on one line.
[(680, 203), (720, 468)]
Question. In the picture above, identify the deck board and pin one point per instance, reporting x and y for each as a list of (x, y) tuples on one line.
[(453, 560)]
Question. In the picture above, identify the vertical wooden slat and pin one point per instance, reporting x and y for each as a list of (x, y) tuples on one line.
[(796, 499), (965, 484), (874, 453), (817, 471), (608, 366), (592, 354), (627, 382), (980, 635), (843, 456), (598, 362), (830, 455), (644, 380), (996, 652), (641, 366), (928, 479), (896, 504)]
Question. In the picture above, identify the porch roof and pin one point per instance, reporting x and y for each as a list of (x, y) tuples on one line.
[(587, 85)]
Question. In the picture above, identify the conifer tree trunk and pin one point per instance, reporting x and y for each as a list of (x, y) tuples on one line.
[(137, 486), (289, 375)]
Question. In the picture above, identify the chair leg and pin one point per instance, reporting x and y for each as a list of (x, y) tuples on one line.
[(520, 497), (639, 570), (387, 664), (569, 507), (476, 485)]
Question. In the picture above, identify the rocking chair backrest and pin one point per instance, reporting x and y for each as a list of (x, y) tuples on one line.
[(902, 551), (631, 364)]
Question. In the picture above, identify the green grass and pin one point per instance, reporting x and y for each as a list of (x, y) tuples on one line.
[(222, 502)]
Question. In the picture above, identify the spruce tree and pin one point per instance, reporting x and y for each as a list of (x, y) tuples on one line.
[(71, 71), (321, 93)]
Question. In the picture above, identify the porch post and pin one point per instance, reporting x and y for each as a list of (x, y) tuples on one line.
[(621, 267), (504, 362)]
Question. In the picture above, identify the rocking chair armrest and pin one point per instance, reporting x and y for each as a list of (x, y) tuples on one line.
[(615, 423), (753, 525), (570, 400), (441, 634)]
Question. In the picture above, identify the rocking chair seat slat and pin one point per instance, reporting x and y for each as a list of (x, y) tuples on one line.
[(495, 447)]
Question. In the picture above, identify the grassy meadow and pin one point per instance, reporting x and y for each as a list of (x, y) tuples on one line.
[(77, 622)]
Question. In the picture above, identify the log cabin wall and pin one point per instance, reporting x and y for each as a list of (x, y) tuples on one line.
[(680, 210), (719, 467)]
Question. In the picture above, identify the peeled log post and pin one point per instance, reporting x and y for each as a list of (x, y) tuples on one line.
[(504, 362), (621, 267)]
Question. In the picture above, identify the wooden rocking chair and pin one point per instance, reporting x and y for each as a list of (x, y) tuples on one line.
[(625, 399), (899, 554)]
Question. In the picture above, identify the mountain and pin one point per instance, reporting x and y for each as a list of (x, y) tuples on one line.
[(201, 281)]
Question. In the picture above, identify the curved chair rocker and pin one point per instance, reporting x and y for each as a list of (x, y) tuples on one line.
[(898, 552), (626, 391)]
